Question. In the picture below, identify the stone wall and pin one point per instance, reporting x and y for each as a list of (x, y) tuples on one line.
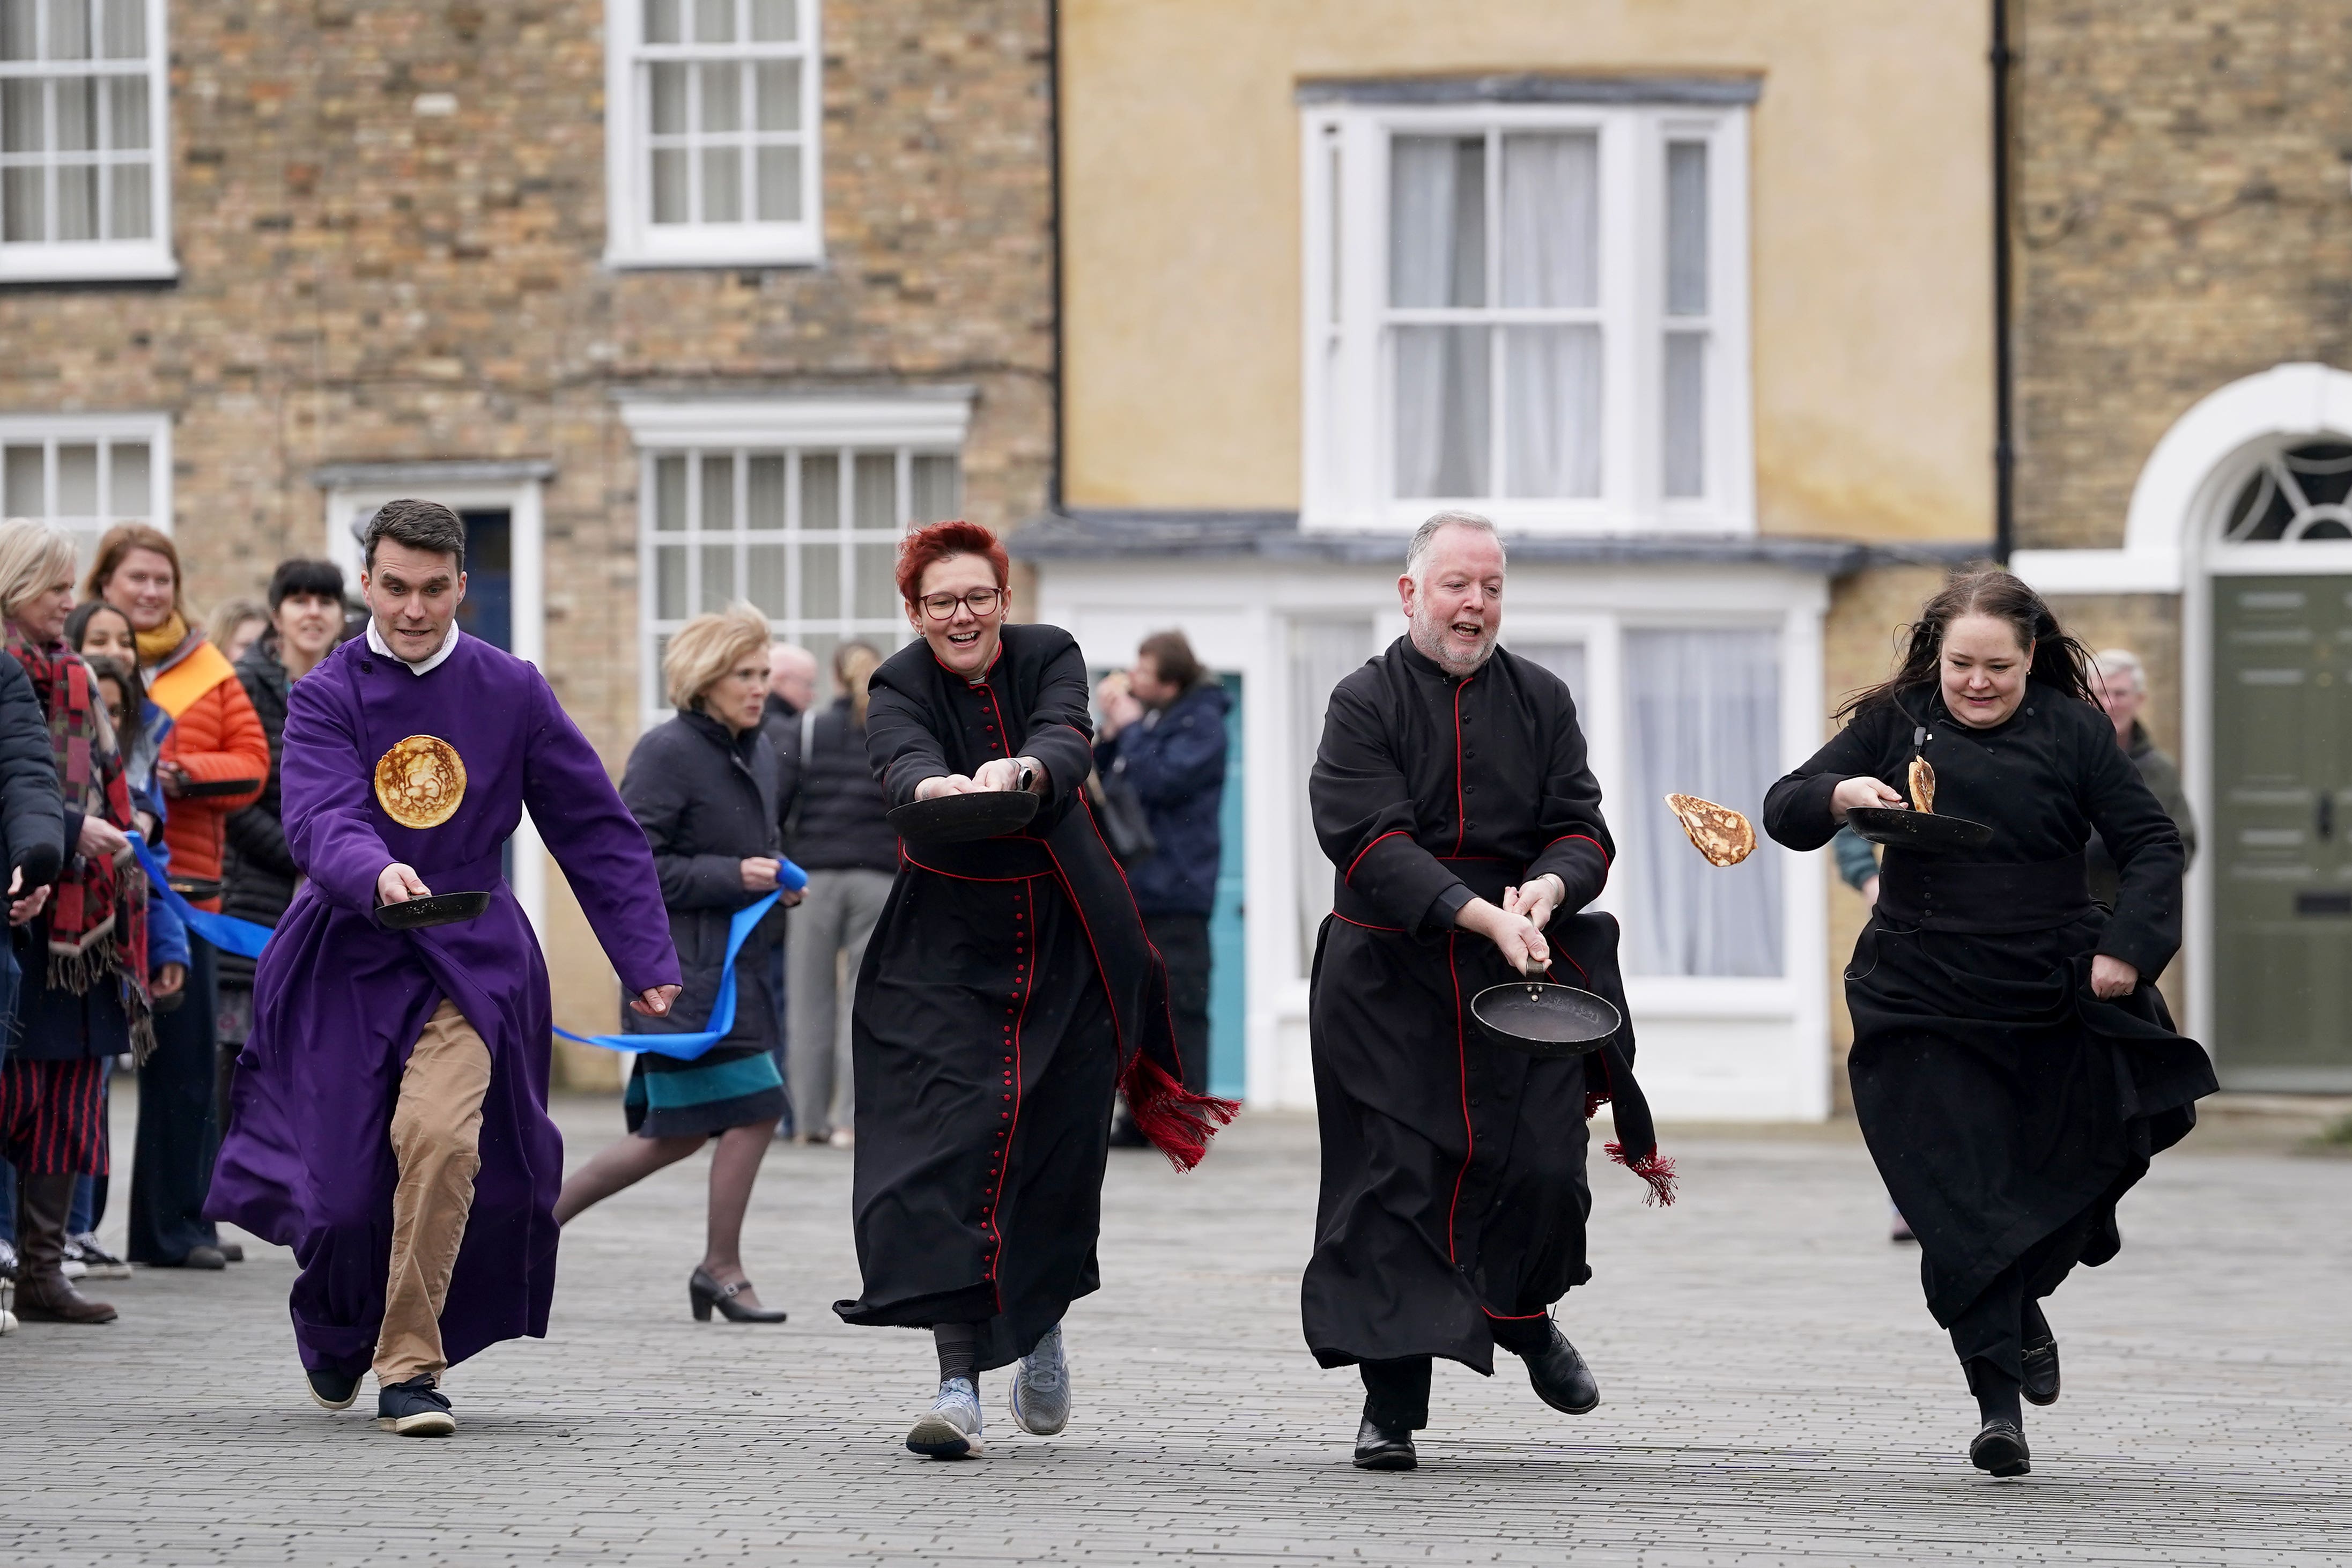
[(363, 283)]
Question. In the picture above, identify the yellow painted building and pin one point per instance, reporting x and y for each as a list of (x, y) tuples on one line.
[(1693, 298)]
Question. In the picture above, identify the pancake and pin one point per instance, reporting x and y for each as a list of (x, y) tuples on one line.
[(1721, 834)]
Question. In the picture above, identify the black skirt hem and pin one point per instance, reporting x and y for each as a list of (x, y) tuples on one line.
[(708, 1120)]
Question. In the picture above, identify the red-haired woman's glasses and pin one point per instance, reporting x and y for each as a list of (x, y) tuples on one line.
[(980, 602)]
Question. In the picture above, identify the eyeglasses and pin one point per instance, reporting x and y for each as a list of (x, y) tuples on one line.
[(980, 602)]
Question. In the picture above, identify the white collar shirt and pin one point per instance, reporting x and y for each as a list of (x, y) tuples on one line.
[(425, 665)]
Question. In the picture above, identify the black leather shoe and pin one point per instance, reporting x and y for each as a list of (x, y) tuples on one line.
[(231, 1251), (2000, 1449), (332, 1390), (703, 1292), (414, 1409), (2040, 1361), (1379, 1448), (1561, 1378)]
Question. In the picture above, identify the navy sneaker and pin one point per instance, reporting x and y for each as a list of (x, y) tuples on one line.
[(414, 1409), (332, 1390)]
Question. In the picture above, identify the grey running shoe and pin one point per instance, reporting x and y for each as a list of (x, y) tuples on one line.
[(950, 1429), (1041, 1388), (100, 1263)]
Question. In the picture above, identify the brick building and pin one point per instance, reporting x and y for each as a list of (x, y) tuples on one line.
[(2182, 250), (678, 300)]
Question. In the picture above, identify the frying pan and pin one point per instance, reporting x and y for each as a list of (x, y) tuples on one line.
[(198, 789), (1540, 1019), (961, 819), (1921, 830), (437, 910)]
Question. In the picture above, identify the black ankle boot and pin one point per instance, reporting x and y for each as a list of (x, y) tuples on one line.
[(1379, 1448), (1559, 1376)]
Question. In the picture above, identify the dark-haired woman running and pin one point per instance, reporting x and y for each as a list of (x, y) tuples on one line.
[(2013, 1065)]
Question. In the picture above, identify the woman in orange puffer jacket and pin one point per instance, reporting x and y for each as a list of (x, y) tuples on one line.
[(216, 742)]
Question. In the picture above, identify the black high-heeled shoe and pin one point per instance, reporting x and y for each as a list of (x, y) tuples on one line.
[(705, 1293)]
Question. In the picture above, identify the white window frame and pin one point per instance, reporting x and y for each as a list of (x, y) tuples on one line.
[(1348, 478), (53, 431), (932, 421), (108, 260), (632, 238)]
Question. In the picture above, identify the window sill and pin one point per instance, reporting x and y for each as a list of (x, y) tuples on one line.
[(24, 263), (714, 255), (1570, 519)]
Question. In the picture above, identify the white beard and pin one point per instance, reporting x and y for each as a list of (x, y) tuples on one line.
[(1429, 637)]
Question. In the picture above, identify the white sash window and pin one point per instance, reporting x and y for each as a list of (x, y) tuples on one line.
[(86, 472), (85, 191)]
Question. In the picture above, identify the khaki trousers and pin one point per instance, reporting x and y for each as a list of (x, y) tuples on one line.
[(436, 1134)]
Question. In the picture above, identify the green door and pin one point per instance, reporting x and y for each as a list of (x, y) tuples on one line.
[(2282, 814)]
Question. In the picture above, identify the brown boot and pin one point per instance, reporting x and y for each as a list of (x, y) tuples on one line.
[(44, 1294)]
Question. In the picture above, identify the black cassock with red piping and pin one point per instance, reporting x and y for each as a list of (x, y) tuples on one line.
[(1454, 1185), (1007, 990)]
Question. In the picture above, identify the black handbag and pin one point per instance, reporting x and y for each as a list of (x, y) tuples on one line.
[(1120, 814)]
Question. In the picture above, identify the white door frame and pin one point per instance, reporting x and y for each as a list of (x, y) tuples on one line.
[(513, 486)]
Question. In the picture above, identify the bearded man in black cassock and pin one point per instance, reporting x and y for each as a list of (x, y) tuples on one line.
[(1452, 795)]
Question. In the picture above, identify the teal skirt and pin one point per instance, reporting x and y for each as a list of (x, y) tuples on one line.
[(722, 1087)]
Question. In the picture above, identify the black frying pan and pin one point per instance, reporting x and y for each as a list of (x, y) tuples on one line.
[(1922, 830), (435, 909), (1540, 1019), (201, 789), (961, 819)]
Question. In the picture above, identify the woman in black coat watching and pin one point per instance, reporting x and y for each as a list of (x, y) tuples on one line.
[(703, 787), (2014, 1068)]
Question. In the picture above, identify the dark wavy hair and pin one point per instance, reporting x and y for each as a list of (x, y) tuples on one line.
[(2058, 663)]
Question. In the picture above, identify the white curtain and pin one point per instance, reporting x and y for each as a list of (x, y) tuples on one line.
[(1437, 259), (1322, 654), (1552, 394), (1564, 659), (1551, 259), (1704, 716)]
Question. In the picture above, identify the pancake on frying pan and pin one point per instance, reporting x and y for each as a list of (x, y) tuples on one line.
[(1923, 786)]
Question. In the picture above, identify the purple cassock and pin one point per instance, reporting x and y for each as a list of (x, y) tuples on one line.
[(338, 1000)]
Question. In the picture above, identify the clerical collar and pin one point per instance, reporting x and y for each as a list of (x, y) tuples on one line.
[(426, 666)]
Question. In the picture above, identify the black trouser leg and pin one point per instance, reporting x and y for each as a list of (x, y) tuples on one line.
[(1396, 1393), (1992, 1329), (1183, 942), (1522, 1336), (171, 1165)]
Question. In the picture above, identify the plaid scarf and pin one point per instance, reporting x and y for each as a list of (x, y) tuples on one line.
[(98, 916)]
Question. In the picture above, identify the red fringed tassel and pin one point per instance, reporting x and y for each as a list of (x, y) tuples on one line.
[(1592, 1102), (1178, 1122), (1653, 1168)]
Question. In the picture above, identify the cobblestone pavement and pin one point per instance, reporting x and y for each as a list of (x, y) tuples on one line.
[(1773, 1392)]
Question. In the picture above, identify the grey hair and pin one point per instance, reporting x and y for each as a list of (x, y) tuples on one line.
[(2122, 661), (1425, 538)]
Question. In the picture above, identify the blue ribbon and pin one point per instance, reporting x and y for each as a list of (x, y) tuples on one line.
[(686, 1048), (243, 938)]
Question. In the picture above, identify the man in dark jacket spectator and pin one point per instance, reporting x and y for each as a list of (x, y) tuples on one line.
[(2121, 685), (792, 692), (841, 836), (1163, 735)]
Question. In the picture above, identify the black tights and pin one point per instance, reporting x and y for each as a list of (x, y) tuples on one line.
[(1991, 1332), (958, 1348), (1396, 1393)]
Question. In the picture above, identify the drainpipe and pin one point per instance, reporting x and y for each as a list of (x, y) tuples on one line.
[(2004, 359), (1054, 233)]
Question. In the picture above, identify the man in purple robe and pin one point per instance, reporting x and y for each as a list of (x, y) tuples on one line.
[(390, 1120)]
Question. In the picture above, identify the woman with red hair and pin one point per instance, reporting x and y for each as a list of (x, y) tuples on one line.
[(1007, 993)]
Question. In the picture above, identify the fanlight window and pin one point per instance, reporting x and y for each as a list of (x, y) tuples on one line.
[(2304, 492)]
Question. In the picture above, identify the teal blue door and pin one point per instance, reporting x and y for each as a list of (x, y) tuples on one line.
[(1228, 943)]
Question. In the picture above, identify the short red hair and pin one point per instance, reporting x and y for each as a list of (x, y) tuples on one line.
[(926, 547)]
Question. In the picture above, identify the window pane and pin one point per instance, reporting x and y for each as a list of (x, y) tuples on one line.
[(722, 96), (22, 492), (20, 117), (820, 490), (669, 583), (661, 22), (127, 491), (668, 83), (763, 502), (1551, 411), (19, 32), (722, 184), (669, 185), (77, 480), (1322, 653), (763, 569), (821, 582), (1564, 659), (877, 490), (718, 494), (876, 598), (130, 206), (1686, 228), (1551, 220), (76, 100), (775, 21), (937, 495), (1703, 715), (76, 201), (780, 185), (1686, 415), (20, 205), (780, 95), (123, 35), (669, 494), (1441, 411), (126, 112), (1437, 221), (718, 576), (714, 21), (69, 30)]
